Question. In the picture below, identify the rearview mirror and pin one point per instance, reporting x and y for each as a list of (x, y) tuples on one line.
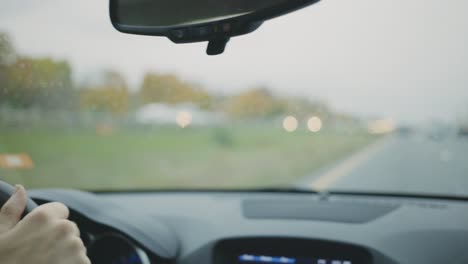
[(185, 21)]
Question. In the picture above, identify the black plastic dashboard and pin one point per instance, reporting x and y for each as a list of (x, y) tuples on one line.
[(257, 227)]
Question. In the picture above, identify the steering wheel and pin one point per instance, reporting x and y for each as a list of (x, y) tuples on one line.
[(6, 190)]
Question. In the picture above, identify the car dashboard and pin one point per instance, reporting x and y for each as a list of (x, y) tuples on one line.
[(215, 227)]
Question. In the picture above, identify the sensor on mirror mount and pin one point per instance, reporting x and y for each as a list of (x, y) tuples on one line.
[(216, 34)]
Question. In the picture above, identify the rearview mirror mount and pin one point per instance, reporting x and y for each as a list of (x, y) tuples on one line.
[(187, 21)]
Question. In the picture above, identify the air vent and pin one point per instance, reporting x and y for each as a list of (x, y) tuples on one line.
[(299, 209)]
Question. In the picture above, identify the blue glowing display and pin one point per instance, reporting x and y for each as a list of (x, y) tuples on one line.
[(266, 259), (261, 259)]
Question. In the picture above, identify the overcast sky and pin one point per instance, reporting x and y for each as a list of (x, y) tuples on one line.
[(402, 59)]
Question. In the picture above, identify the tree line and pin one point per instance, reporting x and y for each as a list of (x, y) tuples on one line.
[(46, 83)]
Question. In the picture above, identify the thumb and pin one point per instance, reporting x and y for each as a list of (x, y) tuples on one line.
[(11, 212)]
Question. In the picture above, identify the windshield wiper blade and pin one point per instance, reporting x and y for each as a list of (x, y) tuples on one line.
[(326, 193), (401, 195), (279, 189)]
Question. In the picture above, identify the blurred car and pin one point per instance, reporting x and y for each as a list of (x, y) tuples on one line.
[(463, 131), (405, 131), (440, 132)]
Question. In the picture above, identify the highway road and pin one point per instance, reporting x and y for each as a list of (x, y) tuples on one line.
[(402, 164)]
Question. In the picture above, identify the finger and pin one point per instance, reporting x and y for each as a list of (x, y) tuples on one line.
[(69, 250), (52, 210), (66, 228), (43, 215), (76, 230), (11, 212)]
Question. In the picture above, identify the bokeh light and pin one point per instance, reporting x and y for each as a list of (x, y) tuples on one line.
[(314, 124), (184, 119), (290, 123)]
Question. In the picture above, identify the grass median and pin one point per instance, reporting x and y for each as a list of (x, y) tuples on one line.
[(161, 158)]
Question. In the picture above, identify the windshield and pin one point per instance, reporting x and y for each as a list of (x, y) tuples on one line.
[(344, 95)]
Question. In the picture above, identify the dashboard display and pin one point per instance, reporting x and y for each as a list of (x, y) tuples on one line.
[(260, 259), (278, 250)]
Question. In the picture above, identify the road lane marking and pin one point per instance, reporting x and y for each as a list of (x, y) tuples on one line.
[(344, 168)]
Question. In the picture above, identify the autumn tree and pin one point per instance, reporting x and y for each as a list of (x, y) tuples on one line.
[(254, 103), (168, 88), (43, 83), (6, 58), (303, 107), (110, 95), (7, 52)]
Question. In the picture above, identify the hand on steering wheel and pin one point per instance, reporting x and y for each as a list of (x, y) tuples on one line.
[(43, 236)]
